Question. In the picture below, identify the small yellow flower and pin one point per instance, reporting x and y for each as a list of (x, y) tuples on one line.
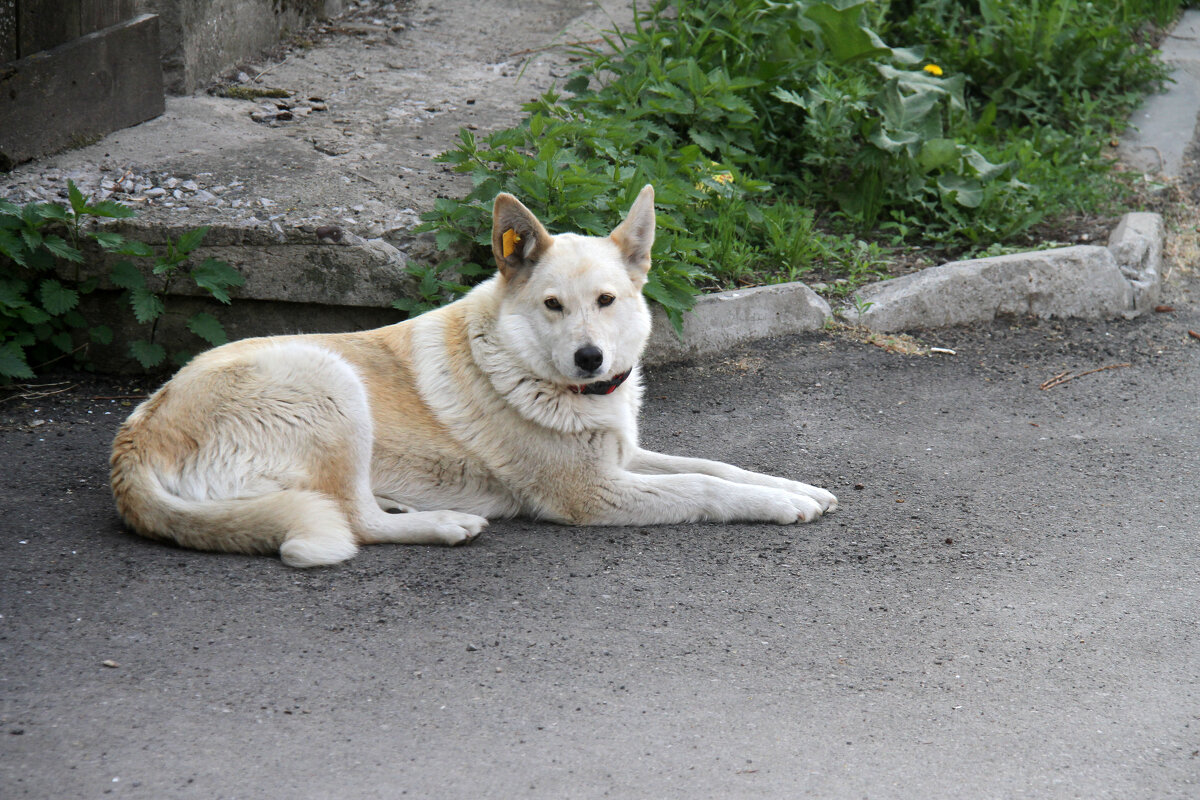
[(933, 69)]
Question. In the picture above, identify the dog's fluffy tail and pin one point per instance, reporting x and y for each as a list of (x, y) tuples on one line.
[(306, 528)]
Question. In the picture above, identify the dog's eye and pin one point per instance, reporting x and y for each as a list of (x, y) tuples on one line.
[(605, 300), (553, 304)]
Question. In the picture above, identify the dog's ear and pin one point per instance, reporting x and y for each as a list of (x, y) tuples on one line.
[(518, 239), (635, 235)]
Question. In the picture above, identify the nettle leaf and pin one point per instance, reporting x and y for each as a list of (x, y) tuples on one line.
[(55, 212), (149, 355), (208, 328), (33, 239), (12, 246), (77, 198), (111, 209), (62, 340), (147, 306), (12, 294), (125, 275), (131, 247), (12, 362), (108, 240), (215, 276), (60, 248), (101, 334), (56, 298), (191, 240)]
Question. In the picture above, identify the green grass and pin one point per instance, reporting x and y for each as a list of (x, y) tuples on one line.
[(788, 139)]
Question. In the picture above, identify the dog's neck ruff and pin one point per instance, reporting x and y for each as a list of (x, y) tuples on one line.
[(601, 387)]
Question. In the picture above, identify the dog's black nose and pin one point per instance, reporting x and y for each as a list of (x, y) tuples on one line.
[(589, 358)]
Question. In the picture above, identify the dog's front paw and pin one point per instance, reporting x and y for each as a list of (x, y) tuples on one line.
[(825, 499), (786, 508), (455, 527)]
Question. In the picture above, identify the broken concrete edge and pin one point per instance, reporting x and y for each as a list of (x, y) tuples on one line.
[(1120, 280), (299, 272)]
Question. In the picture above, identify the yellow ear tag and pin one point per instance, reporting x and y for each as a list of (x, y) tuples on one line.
[(511, 239)]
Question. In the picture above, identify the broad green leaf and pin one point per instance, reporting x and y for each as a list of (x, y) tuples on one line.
[(125, 275), (147, 306), (101, 334), (62, 340), (12, 246), (12, 294), (190, 240), (215, 276), (843, 35), (55, 212), (208, 328), (78, 201), (147, 354), (56, 298), (938, 153), (108, 240), (12, 362), (132, 247), (33, 239), (964, 191), (58, 246), (111, 209)]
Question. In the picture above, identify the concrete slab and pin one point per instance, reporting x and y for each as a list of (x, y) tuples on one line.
[(1164, 126), (80, 91)]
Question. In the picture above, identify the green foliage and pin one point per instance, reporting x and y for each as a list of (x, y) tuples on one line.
[(39, 316), (147, 297), (781, 135), (40, 321)]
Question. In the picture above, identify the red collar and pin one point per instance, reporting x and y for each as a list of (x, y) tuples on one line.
[(601, 387)]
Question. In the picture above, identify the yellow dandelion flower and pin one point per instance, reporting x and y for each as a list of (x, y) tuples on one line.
[(933, 69)]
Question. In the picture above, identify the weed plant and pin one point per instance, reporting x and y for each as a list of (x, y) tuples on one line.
[(40, 318), (782, 137)]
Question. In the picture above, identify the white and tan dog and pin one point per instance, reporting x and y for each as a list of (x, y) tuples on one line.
[(519, 399)]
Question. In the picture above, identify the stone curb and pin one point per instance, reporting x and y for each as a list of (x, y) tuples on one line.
[(299, 283), (1120, 280), (725, 319)]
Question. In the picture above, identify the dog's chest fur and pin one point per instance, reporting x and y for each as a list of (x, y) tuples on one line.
[(459, 423)]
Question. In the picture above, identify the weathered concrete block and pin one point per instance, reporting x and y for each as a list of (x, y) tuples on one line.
[(1136, 243), (65, 96), (725, 319), (202, 38), (1083, 281), (292, 268)]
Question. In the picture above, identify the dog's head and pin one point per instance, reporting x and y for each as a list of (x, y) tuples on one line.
[(572, 306)]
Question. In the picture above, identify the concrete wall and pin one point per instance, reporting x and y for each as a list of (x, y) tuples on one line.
[(203, 38)]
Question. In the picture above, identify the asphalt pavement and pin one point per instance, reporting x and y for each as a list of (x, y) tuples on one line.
[(1005, 605)]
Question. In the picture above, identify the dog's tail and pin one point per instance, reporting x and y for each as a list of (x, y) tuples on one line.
[(306, 528)]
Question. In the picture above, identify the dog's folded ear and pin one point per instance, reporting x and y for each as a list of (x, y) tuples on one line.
[(518, 239), (635, 235)]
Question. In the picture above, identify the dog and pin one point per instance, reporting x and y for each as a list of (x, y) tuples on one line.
[(520, 398)]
